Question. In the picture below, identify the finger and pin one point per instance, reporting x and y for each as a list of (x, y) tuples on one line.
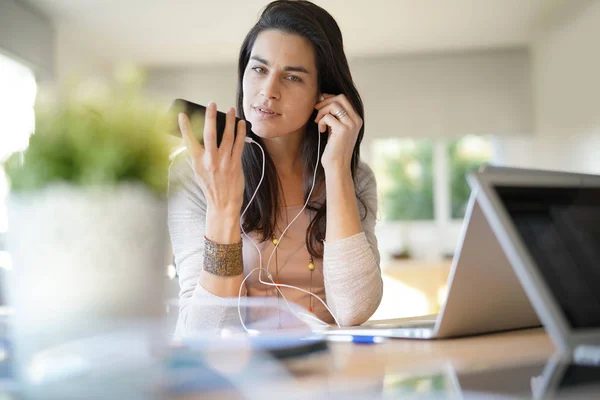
[(210, 128), (189, 139), (327, 99), (333, 109), (345, 104), (329, 109), (229, 132), (351, 118), (238, 146), (329, 120)]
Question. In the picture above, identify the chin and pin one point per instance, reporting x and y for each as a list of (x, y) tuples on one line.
[(265, 132)]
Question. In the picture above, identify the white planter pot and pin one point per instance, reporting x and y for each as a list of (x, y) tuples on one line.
[(85, 260)]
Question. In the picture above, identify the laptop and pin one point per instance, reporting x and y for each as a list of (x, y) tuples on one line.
[(548, 224), (484, 294)]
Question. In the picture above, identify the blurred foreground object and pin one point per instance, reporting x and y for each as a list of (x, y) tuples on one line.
[(87, 219)]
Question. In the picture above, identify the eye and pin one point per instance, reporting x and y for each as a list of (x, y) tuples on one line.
[(294, 78), (259, 70)]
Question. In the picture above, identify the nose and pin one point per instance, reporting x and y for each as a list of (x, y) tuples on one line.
[(270, 87)]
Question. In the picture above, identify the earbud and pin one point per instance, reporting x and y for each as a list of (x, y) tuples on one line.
[(248, 140)]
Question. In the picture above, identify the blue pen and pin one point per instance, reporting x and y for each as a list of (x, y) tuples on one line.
[(360, 339)]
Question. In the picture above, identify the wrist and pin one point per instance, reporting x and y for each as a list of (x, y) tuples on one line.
[(223, 227), (337, 171), (227, 212)]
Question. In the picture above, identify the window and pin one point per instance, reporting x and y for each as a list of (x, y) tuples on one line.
[(17, 95), (408, 189), (464, 155), (404, 172)]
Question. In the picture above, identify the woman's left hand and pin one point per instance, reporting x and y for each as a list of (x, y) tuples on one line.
[(337, 114)]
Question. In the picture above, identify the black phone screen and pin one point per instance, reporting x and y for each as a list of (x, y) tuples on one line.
[(197, 113)]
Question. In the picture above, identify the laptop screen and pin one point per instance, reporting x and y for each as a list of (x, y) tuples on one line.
[(560, 227)]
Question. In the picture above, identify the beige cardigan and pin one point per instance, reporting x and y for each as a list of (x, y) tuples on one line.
[(348, 278)]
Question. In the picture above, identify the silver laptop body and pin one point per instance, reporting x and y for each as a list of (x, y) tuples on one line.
[(484, 295)]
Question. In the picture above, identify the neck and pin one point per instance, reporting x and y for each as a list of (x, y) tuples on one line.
[(285, 153)]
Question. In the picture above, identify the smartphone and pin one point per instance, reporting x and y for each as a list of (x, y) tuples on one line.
[(196, 113)]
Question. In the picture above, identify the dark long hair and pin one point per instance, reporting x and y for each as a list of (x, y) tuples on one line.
[(313, 23)]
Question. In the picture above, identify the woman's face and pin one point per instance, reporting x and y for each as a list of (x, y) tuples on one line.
[(280, 84)]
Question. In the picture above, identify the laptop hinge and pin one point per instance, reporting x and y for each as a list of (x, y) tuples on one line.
[(587, 354)]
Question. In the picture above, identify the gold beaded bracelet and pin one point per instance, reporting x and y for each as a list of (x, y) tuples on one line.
[(223, 259)]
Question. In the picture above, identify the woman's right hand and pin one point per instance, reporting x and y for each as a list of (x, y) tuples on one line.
[(218, 169)]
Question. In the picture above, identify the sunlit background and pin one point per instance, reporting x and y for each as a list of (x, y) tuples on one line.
[(447, 86), (17, 121)]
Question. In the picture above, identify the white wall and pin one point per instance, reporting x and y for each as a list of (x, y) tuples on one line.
[(447, 94), (76, 58), (566, 66), (198, 84), (28, 36), (55, 52)]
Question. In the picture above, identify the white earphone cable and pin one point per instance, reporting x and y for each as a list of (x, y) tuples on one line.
[(260, 267)]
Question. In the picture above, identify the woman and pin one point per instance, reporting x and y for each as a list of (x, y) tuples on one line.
[(294, 85)]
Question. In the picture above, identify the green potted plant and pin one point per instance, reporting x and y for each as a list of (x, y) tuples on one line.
[(87, 217)]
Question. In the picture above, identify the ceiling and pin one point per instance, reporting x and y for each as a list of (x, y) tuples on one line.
[(187, 32)]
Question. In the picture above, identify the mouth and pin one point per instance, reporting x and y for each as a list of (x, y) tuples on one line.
[(265, 112)]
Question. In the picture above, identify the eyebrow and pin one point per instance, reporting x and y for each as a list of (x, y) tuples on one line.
[(287, 68)]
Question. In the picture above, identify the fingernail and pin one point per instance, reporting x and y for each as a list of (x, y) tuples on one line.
[(211, 103)]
